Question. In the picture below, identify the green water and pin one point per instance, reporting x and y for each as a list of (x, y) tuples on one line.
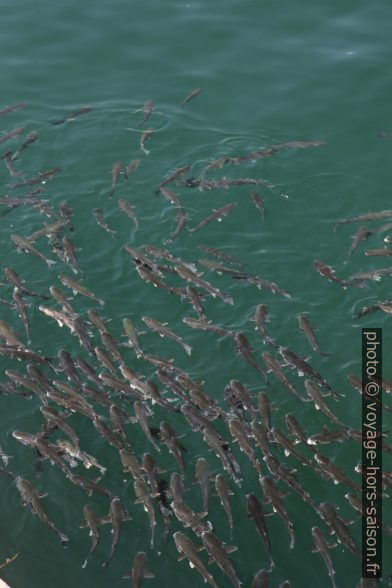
[(270, 72)]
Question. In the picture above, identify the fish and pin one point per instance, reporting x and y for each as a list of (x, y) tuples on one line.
[(275, 367), (362, 234), (225, 183), (219, 268), (98, 321), (216, 215), (274, 496), (165, 332), (126, 207), (106, 432), (66, 213), (255, 512), (70, 254), (244, 348), (8, 335), (111, 345), (192, 94), (143, 497), (119, 418), (40, 179), (334, 472), (130, 333), (140, 259), (181, 219), (151, 469), (139, 572), (205, 326), (370, 216), (303, 367), (168, 435), (289, 447), (72, 115), (261, 318), (28, 383), (189, 518), (78, 288), (328, 272), (92, 522), (203, 477), (8, 159), (116, 171), (31, 497), (52, 416), (26, 200), (220, 447), (23, 244), (148, 110), (177, 487), (171, 196), (74, 451), (196, 301), (13, 108), (130, 464), (59, 297), (24, 354), (31, 138), (338, 527), (117, 514), (220, 255), (164, 254), (181, 171), (149, 276), (15, 133), (98, 215), (295, 430), (147, 134), (218, 552), (262, 283), (89, 486), (259, 202), (315, 395), (239, 435), (382, 252), (187, 550), (223, 491), (141, 416), (261, 580), (67, 365), (308, 330), (131, 168), (372, 274)]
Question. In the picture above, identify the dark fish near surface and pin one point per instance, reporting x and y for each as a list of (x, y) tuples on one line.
[(259, 202), (186, 549), (188, 97), (168, 436), (49, 231), (21, 306), (262, 283), (116, 171), (25, 245), (273, 495), (219, 268), (143, 497), (66, 213), (128, 209), (216, 215), (11, 134), (89, 486), (165, 332), (141, 416), (328, 272), (220, 255), (12, 108), (195, 299), (181, 219), (288, 447), (130, 333), (32, 137), (92, 522), (275, 367), (131, 168), (72, 115), (173, 176), (117, 514), (139, 572), (218, 551), (315, 395), (303, 367), (261, 580), (382, 252), (148, 110), (322, 546), (334, 472), (203, 476), (239, 434), (41, 178), (98, 215), (308, 330), (223, 490), (224, 184), (338, 526), (79, 289), (31, 497), (147, 134), (244, 348), (362, 234), (255, 512), (370, 216)]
